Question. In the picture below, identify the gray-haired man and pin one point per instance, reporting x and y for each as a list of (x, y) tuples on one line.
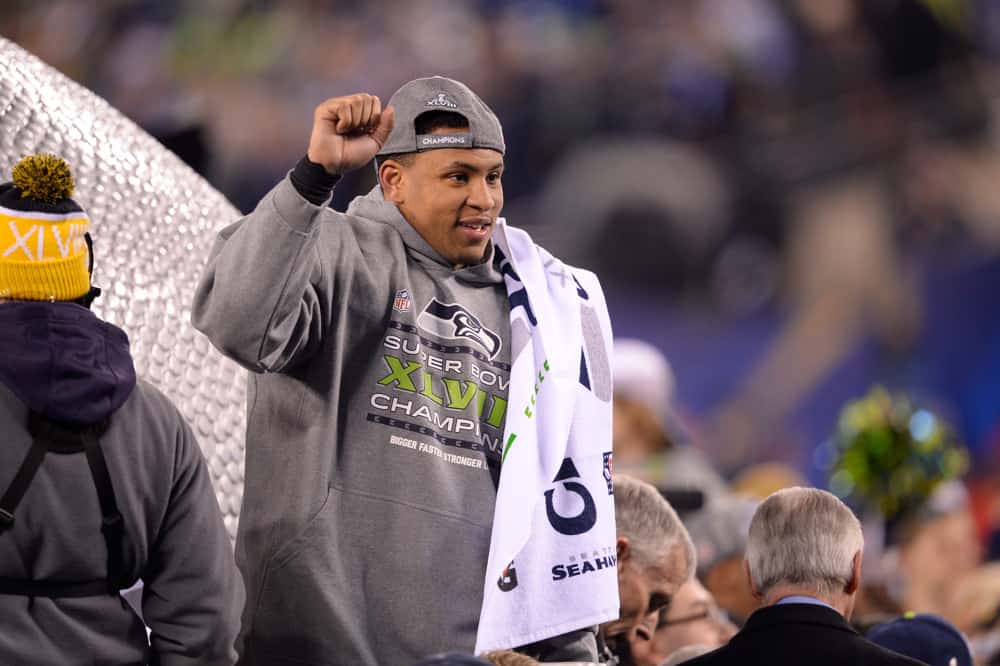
[(803, 562), (655, 557)]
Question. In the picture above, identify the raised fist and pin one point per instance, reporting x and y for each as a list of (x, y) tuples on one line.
[(348, 131)]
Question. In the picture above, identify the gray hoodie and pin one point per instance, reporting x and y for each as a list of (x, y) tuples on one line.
[(61, 361), (376, 408)]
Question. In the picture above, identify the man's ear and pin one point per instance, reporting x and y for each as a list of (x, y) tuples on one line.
[(624, 547), (390, 177), (855, 581), (753, 588)]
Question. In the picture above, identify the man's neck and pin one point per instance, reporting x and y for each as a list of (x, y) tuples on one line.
[(839, 602)]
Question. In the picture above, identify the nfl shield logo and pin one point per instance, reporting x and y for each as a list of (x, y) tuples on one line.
[(402, 301), (608, 468)]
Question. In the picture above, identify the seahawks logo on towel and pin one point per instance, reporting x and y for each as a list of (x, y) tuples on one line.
[(451, 321)]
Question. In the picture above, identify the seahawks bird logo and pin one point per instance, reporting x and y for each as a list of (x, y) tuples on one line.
[(451, 321)]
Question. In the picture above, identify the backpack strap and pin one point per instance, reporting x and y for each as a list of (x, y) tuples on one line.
[(112, 525), (15, 491), (50, 436)]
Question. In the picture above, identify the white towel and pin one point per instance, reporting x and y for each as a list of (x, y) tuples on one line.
[(552, 564)]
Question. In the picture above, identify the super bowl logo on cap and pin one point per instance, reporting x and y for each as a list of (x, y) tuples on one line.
[(442, 99), (402, 301)]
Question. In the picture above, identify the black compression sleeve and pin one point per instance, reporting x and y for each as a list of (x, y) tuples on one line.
[(312, 181)]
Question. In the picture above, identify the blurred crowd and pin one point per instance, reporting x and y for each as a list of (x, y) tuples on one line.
[(929, 548), (783, 90)]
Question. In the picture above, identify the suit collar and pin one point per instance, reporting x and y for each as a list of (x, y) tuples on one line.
[(786, 614)]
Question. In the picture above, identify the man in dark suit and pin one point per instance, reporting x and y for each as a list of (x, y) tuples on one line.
[(803, 561)]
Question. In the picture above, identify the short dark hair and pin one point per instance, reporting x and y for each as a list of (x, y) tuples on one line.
[(426, 123), (429, 121)]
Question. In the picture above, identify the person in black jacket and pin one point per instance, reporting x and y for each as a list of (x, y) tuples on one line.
[(803, 561)]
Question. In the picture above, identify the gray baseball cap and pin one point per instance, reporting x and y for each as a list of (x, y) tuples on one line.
[(437, 93)]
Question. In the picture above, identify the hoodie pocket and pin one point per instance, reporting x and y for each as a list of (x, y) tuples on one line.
[(370, 581), (308, 611)]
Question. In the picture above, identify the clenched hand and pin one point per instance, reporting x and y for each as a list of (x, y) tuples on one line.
[(348, 131)]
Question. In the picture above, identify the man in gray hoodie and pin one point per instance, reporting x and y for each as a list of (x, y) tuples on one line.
[(379, 345), (101, 480)]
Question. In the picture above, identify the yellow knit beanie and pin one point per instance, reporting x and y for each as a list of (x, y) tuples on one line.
[(43, 251)]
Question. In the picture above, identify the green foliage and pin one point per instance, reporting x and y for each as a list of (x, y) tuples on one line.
[(890, 455)]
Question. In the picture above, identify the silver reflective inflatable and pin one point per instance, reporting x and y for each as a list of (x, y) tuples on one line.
[(153, 221)]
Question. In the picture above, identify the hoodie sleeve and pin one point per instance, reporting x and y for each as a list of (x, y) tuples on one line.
[(193, 593), (261, 298)]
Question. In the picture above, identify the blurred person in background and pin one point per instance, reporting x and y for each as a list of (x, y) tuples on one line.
[(974, 608), (926, 637), (692, 619), (934, 547), (804, 563), (649, 439), (761, 480), (645, 390), (655, 558), (719, 532)]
